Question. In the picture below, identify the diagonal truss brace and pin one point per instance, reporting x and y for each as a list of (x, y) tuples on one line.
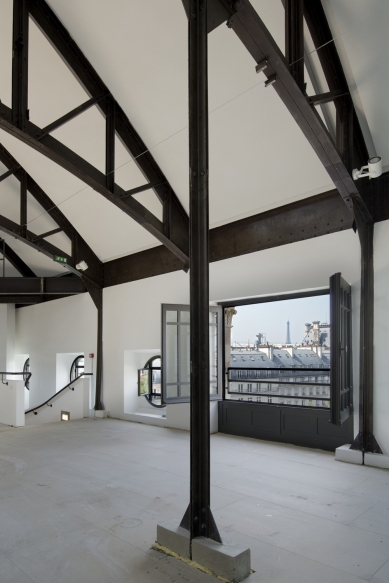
[(16, 261)]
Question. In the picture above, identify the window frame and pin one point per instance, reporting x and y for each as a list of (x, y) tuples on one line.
[(220, 352), (75, 367), (325, 291)]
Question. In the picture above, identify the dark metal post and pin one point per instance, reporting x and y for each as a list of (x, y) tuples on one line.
[(96, 293), (294, 39), (20, 63), (99, 364), (198, 519), (110, 144), (23, 205), (365, 440)]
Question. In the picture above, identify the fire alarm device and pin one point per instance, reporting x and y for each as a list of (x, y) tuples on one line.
[(91, 355)]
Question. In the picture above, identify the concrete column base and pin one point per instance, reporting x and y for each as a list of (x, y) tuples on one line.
[(377, 460), (101, 414), (351, 456), (226, 561)]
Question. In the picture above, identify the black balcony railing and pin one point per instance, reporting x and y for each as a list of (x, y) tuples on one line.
[(271, 383)]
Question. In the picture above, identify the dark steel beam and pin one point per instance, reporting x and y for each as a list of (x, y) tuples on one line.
[(306, 219), (23, 205), (142, 188), (8, 173), (294, 40), (14, 286), (322, 37), (20, 63), (59, 153), (17, 262), (71, 115), (63, 43), (198, 518), (254, 35), (110, 145), (48, 234), (21, 301), (12, 228), (327, 97)]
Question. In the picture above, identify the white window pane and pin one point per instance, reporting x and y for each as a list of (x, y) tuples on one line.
[(171, 391), (171, 354), (171, 316), (184, 351)]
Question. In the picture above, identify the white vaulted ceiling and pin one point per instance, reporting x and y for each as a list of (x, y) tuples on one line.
[(259, 159)]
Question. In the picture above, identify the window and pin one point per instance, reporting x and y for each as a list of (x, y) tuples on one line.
[(77, 367), (153, 391), (176, 353), (26, 370)]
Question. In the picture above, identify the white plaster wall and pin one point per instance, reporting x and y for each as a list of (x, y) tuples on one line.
[(7, 337), (132, 311), (64, 362), (75, 402), (12, 403), (132, 315), (67, 325), (381, 334), (10, 358), (3, 337)]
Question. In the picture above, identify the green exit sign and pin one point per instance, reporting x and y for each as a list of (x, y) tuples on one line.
[(60, 259)]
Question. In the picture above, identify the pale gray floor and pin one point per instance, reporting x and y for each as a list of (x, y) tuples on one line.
[(80, 502)]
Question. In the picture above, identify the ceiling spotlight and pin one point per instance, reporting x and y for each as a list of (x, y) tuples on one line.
[(82, 266), (372, 170)]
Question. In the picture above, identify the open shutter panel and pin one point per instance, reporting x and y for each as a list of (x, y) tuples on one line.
[(341, 354)]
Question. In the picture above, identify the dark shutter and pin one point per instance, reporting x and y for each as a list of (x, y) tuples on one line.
[(341, 354)]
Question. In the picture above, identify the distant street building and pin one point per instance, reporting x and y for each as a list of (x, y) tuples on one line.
[(284, 374)]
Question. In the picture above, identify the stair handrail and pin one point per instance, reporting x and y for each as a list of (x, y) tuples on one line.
[(35, 409), (23, 374)]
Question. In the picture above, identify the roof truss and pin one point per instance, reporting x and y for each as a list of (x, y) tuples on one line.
[(173, 230), (80, 249), (286, 79)]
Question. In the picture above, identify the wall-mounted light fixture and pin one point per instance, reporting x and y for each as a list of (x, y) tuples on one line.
[(373, 168), (65, 416), (82, 266)]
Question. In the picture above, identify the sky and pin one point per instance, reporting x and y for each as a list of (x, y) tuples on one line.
[(271, 318)]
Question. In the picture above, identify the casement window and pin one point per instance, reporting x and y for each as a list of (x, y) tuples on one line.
[(176, 353), (77, 367), (330, 375), (26, 370), (149, 382)]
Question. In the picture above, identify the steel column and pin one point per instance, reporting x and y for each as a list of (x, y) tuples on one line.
[(99, 364), (365, 440), (294, 40), (20, 64), (96, 293), (198, 518)]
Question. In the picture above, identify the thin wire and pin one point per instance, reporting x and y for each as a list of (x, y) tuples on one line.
[(133, 159)]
